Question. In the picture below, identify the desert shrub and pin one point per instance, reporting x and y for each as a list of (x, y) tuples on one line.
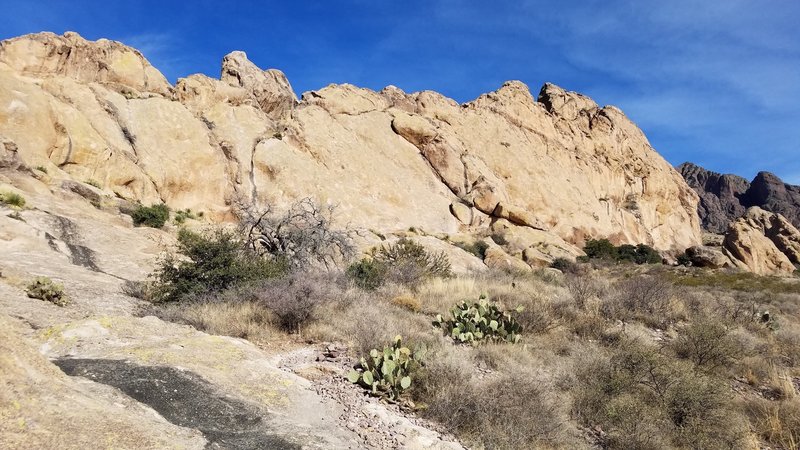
[(642, 297), (479, 321), (12, 199), (387, 373), (408, 302), (638, 254), (684, 260), (565, 265), (477, 248), (142, 290), (42, 169), (367, 273), (409, 263), (643, 399), (182, 215), (293, 299), (487, 413), (600, 249), (154, 216), (707, 343), (44, 288), (303, 236), (209, 262), (583, 288)]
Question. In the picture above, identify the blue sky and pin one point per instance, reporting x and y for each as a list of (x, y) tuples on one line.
[(713, 82)]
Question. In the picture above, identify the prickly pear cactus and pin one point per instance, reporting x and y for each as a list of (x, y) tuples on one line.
[(480, 321), (387, 373)]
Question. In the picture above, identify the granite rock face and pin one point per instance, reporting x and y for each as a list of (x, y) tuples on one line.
[(556, 162)]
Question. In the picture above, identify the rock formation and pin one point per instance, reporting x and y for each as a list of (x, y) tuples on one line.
[(724, 198), (763, 242), (558, 164), (720, 196)]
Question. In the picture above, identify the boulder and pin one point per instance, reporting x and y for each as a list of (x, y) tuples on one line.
[(709, 257), (270, 89), (753, 240), (497, 259)]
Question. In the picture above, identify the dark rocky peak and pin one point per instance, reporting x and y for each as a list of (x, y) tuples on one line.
[(769, 192), (725, 197)]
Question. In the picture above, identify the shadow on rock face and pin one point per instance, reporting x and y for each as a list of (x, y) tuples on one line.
[(185, 399)]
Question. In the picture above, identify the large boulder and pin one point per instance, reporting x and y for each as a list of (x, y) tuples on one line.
[(709, 257), (763, 242), (270, 89)]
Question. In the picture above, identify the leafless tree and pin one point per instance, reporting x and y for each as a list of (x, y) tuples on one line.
[(303, 235)]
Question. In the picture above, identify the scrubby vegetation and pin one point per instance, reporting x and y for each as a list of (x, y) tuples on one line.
[(606, 355), (154, 216), (44, 288), (182, 215), (207, 263), (404, 262), (603, 249), (12, 199)]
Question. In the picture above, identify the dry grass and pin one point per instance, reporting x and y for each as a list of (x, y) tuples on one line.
[(243, 319), (776, 422)]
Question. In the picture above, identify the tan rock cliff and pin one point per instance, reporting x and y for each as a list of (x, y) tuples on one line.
[(558, 164)]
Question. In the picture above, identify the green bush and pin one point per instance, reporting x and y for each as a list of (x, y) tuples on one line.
[(410, 263), (367, 274), (482, 320), (477, 248), (12, 199), (154, 216), (684, 260), (643, 399), (44, 288), (600, 249), (182, 215), (210, 262), (604, 249), (706, 343), (404, 262), (564, 265), (387, 373)]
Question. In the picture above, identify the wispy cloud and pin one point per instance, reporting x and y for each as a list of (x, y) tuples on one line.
[(165, 52)]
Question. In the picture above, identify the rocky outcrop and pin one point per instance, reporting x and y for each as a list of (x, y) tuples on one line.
[(724, 198), (763, 242), (770, 193), (558, 163), (709, 257), (110, 63), (720, 196)]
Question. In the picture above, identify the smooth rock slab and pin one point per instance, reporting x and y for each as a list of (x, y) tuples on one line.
[(184, 399)]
